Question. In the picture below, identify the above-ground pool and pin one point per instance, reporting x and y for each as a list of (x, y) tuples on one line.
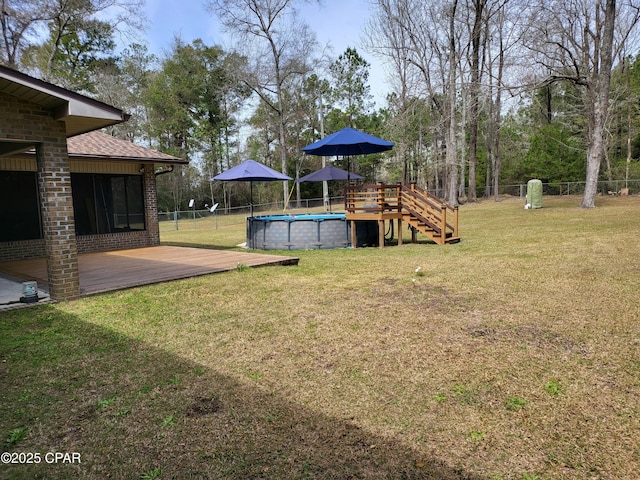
[(298, 232)]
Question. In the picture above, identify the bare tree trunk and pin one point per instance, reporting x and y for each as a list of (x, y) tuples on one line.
[(479, 6), (598, 107), (497, 112), (452, 154), (462, 162), (626, 172)]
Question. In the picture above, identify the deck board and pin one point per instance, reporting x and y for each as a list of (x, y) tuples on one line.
[(108, 271)]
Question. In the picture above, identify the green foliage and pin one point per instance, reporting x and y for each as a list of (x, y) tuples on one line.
[(477, 434), (532, 476), (515, 403), (15, 436), (465, 395), (192, 104), (75, 48), (151, 474), (168, 421), (193, 98), (351, 91), (555, 155), (553, 388), (102, 404)]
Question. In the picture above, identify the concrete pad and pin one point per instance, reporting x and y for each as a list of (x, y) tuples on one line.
[(11, 291)]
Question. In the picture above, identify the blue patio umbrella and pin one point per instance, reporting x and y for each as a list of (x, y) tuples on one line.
[(251, 171), (348, 142), (329, 173)]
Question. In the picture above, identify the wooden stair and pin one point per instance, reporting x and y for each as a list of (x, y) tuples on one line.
[(429, 215), (423, 212)]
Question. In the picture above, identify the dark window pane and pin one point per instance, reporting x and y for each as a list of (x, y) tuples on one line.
[(107, 203), (19, 206), (135, 199), (120, 219), (84, 205)]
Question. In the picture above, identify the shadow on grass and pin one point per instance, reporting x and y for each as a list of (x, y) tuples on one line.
[(132, 410)]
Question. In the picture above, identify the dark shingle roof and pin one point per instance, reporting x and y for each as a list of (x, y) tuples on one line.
[(100, 145)]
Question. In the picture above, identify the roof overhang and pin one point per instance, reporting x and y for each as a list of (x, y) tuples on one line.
[(80, 114)]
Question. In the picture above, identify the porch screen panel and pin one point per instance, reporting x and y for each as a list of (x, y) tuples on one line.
[(19, 206), (135, 202), (107, 203)]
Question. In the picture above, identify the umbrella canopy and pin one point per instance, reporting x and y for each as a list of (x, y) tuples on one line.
[(329, 173), (348, 141), (251, 171)]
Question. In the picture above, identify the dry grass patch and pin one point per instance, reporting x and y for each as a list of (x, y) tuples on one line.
[(514, 354)]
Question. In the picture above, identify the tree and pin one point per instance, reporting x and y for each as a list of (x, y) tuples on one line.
[(423, 36), (350, 89), (74, 48), (191, 105), (577, 42), (624, 125), (452, 149), (389, 40), (278, 46), (124, 85), (69, 24), (19, 20), (474, 93)]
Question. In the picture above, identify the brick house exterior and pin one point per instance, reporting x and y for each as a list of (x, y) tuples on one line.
[(47, 134)]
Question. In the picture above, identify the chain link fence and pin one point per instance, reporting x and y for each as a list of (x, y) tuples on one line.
[(613, 187), (220, 217)]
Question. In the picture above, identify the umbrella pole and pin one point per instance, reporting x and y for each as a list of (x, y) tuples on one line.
[(325, 189), (251, 198), (250, 219)]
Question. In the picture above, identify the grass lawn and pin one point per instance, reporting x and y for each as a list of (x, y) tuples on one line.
[(514, 354)]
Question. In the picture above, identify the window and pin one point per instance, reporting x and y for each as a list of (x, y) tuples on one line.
[(19, 206), (107, 203)]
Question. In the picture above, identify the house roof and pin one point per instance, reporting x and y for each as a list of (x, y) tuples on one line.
[(98, 145), (79, 113)]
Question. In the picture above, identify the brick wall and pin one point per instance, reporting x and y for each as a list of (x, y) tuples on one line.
[(21, 250), (112, 241), (30, 123), (151, 205)]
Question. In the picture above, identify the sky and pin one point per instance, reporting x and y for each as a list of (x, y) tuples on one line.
[(338, 23)]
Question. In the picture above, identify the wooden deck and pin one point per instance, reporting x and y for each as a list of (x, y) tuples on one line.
[(108, 271)]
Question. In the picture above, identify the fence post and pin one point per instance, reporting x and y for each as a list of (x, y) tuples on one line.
[(175, 218)]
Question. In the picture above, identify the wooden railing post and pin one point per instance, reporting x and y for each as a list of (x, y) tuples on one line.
[(346, 195), (443, 220), (380, 197), (455, 221)]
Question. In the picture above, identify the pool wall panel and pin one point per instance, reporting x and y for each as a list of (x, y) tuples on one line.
[(298, 232)]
